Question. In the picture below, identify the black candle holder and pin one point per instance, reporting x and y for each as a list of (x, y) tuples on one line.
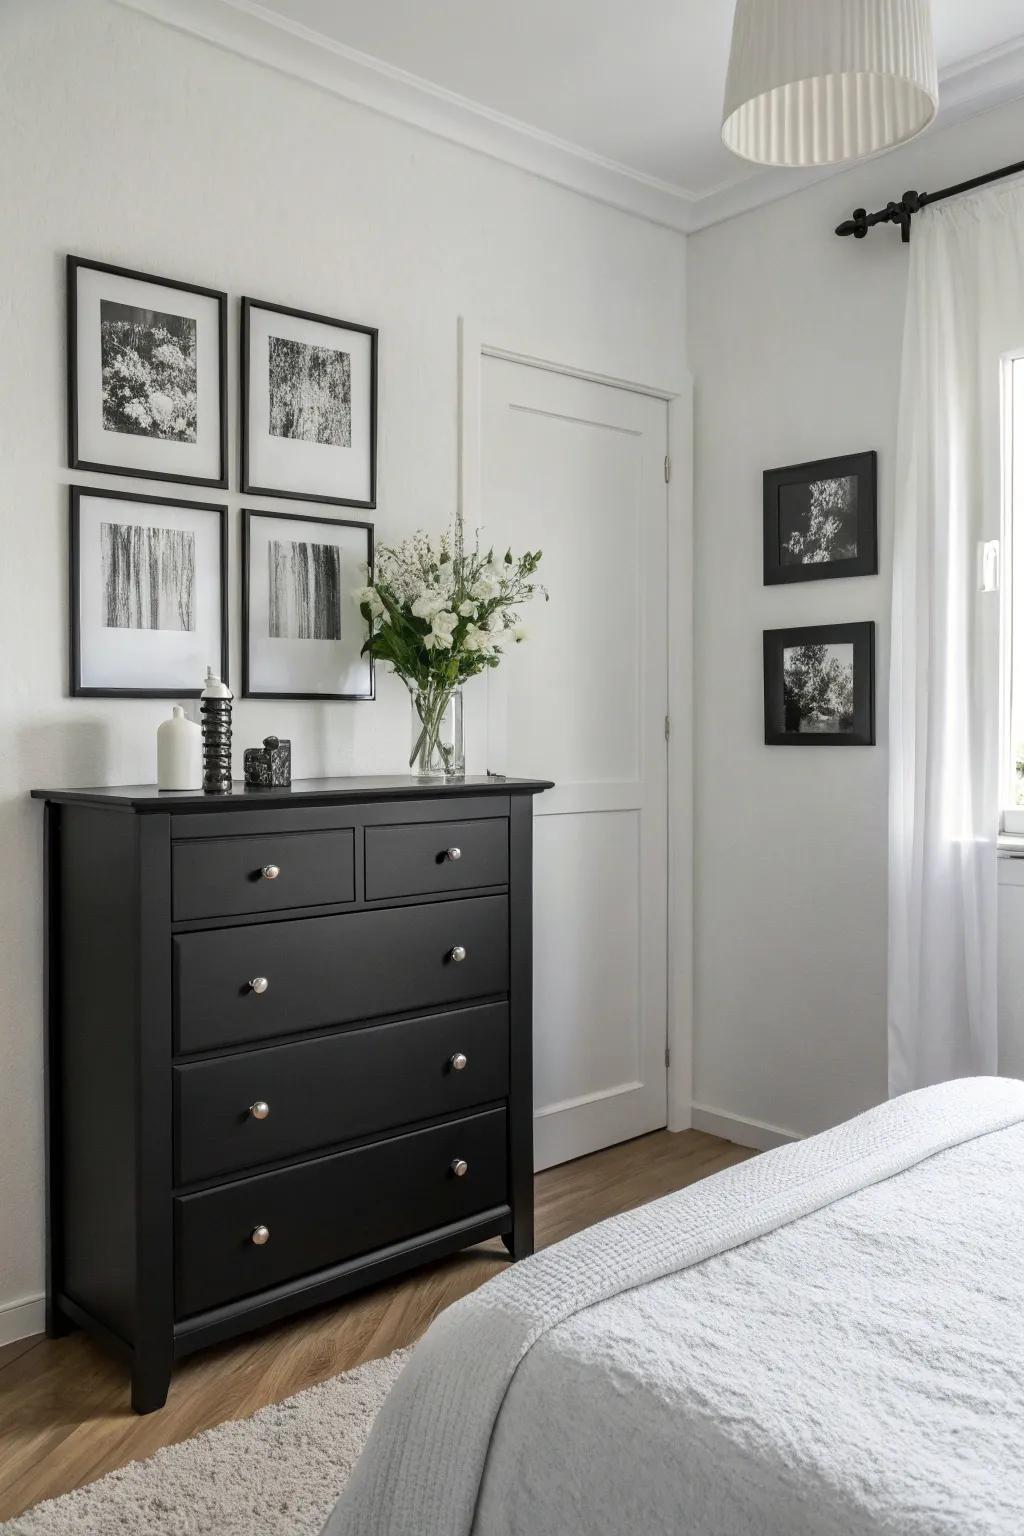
[(215, 708)]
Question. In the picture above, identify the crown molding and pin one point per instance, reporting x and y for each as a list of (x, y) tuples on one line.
[(253, 31), (247, 28)]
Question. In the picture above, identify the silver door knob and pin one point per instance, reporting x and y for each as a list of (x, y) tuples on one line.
[(453, 853), (260, 1235), (459, 1167), (259, 985), (458, 1062), (457, 953), (260, 1110), (270, 872)]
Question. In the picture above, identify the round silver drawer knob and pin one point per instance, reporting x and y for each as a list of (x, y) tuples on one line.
[(260, 1235), (459, 1062), (260, 1110), (259, 985), (453, 853), (457, 953), (270, 871), (460, 1167)]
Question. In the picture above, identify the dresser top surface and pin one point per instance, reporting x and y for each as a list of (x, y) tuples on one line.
[(147, 797)]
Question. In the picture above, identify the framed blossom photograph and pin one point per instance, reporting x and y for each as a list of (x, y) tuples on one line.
[(149, 597), (302, 630), (820, 519), (147, 375), (309, 406)]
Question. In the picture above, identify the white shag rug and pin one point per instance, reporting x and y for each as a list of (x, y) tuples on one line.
[(276, 1474)]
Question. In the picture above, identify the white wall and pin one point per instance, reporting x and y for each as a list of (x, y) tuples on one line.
[(131, 143), (795, 340)]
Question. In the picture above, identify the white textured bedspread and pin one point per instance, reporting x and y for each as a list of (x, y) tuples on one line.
[(827, 1339)]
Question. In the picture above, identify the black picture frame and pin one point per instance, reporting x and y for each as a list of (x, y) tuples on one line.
[(74, 264), (861, 466), (247, 487), (77, 493), (777, 731), (248, 692)]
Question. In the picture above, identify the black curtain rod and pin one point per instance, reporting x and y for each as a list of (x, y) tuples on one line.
[(910, 203)]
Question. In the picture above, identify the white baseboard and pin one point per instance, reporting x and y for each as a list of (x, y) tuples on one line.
[(20, 1319), (745, 1133)]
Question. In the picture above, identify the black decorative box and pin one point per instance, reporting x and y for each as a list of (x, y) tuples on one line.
[(269, 766)]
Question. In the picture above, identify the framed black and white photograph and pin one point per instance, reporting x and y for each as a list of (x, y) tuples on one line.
[(309, 406), (149, 595), (819, 686), (820, 519), (302, 632), (147, 375)]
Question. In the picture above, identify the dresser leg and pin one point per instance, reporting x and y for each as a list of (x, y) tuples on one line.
[(57, 1325), (518, 1243), (150, 1383)]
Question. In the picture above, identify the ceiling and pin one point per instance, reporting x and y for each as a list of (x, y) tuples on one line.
[(621, 98)]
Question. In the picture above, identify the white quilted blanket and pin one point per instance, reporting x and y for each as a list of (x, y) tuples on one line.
[(680, 1370)]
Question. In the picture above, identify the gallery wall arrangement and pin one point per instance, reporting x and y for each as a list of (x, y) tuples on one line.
[(820, 522), (147, 397)]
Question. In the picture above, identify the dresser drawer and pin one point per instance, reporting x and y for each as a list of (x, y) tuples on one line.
[(432, 857), (326, 1211), (222, 876), (234, 985), (336, 1088)]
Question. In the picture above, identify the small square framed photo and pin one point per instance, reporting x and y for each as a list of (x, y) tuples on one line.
[(309, 406), (819, 686), (149, 595), (147, 376), (821, 519), (302, 631)]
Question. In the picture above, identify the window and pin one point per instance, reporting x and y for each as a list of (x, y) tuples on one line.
[(1012, 749)]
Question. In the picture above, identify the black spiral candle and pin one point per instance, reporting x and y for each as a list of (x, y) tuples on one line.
[(215, 708)]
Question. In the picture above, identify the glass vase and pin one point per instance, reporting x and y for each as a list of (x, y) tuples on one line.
[(437, 750)]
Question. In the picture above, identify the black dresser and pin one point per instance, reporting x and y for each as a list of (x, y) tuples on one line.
[(288, 1049)]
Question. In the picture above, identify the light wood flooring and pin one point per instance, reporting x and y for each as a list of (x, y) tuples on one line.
[(64, 1412)]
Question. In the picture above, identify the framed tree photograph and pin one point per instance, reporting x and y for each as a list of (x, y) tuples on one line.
[(821, 520), (147, 375), (149, 595), (819, 686), (309, 406), (302, 631)]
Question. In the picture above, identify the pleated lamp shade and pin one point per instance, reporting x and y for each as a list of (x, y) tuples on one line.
[(814, 82)]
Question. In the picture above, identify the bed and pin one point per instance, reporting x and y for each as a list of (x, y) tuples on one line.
[(826, 1339)]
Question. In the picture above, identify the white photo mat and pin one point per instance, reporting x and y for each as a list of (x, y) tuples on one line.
[(283, 465), (278, 661), (137, 657), (96, 446)]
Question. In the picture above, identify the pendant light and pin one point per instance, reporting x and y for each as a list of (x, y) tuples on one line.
[(814, 82)]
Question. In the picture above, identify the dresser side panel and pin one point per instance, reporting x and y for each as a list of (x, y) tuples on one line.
[(97, 1031)]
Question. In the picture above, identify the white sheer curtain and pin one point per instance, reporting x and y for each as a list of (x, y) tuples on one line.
[(965, 313)]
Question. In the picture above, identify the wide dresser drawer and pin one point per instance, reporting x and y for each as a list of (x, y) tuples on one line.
[(263, 1106), (324, 1212), (225, 876), (432, 857), (234, 985)]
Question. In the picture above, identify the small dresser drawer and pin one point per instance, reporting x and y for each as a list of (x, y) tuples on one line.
[(264, 1106), (225, 876), (333, 1209), (429, 858), (235, 985)]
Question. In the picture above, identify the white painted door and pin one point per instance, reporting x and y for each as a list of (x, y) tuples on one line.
[(578, 469)]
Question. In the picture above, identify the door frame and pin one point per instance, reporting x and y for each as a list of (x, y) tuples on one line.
[(472, 350)]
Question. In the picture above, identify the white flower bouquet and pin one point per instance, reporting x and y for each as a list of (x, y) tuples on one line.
[(439, 616)]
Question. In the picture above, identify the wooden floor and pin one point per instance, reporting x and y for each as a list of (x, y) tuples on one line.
[(64, 1412)]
